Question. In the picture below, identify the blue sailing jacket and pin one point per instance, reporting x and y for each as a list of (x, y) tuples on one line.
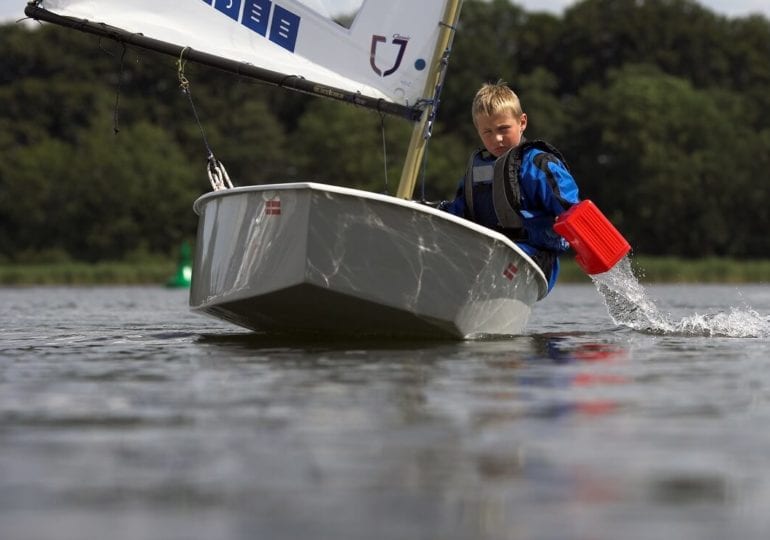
[(545, 188)]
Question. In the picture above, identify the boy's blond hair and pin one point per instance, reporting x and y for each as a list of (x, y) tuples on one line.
[(493, 98)]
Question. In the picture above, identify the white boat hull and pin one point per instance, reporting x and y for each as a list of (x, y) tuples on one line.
[(313, 258)]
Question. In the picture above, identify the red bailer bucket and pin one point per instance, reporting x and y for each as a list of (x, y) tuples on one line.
[(598, 244)]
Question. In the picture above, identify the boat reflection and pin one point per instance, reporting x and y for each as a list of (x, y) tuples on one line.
[(563, 375)]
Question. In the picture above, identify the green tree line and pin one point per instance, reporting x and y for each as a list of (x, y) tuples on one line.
[(661, 107)]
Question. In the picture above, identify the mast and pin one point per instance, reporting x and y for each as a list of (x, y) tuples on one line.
[(422, 129)]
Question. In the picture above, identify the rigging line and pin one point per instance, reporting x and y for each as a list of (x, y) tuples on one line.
[(217, 173), (184, 84), (433, 104), (384, 150), (423, 174), (119, 86), (115, 119)]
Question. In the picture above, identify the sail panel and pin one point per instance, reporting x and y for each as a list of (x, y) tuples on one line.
[(384, 54)]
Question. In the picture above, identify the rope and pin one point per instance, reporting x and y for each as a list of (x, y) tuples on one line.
[(384, 151), (119, 86), (217, 173), (115, 118), (423, 174)]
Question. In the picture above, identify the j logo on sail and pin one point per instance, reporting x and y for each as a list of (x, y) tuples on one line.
[(399, 41)]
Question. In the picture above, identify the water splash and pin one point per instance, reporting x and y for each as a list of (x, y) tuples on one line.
[(629, 305)]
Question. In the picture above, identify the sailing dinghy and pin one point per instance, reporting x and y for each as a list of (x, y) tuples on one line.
[(313, 257)]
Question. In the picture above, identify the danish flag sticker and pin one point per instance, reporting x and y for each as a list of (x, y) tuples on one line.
[(510, 271), (273, 207)]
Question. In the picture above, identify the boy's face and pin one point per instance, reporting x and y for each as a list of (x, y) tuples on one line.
[(500, 131)]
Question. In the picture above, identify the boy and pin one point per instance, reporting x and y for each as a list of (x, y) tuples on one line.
[(512, 185)]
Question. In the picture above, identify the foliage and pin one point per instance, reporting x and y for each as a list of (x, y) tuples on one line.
[(98, 197), (82, 273), (659, 128), (661, 107), (327, 144)]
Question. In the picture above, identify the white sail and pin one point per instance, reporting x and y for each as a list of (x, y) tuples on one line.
[(386, 53)]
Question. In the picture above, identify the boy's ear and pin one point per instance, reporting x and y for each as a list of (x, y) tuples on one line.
[(523, 121)]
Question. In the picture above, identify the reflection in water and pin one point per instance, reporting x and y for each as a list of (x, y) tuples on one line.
[(517, 366), (582, 355), (452, 421)]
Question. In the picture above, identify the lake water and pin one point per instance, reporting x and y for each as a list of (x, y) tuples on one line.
[(125, 416)]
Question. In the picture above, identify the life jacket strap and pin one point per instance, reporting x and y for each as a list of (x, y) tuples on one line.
[(475, 173)]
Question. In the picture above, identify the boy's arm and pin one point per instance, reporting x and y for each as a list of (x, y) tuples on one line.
[(456, 206), (555, 186)]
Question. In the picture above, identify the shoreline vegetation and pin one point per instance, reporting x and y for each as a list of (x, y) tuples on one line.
[(646, 269)]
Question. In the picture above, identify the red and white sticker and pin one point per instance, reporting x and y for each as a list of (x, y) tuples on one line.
[(510, 271), (273, 207)]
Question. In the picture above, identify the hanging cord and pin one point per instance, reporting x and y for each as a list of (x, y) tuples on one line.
[(423, 174), (433, 105), (115, 119), (216, 170), (384, 151), (119, 86), (435, 102)]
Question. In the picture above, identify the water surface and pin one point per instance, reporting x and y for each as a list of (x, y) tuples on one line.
[(123, 415)]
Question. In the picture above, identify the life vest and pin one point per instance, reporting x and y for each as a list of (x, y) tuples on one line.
[(504, 178)]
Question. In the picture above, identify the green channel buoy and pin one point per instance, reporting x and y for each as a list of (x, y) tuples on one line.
[(183, 274)]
